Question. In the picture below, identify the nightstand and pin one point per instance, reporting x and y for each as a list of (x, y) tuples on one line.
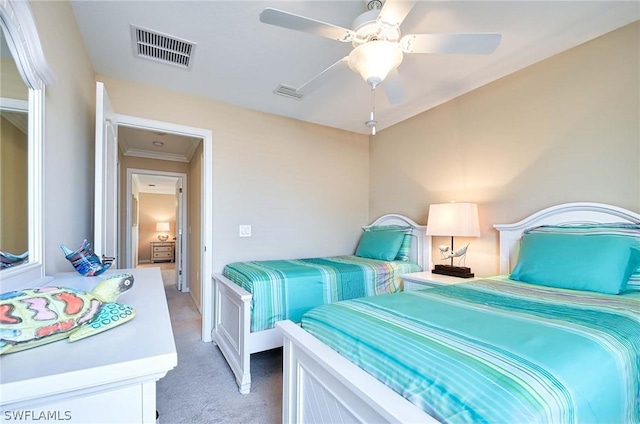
[(427, 279), (162, 251)]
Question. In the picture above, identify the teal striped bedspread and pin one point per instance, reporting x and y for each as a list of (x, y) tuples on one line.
[(285, 289), (496, 351)]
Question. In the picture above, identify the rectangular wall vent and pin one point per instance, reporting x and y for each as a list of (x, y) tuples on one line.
[(162, 47), (286, 91)]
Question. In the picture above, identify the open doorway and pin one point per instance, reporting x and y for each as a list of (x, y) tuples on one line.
[(155, 222), (157, 236), (109, 211)]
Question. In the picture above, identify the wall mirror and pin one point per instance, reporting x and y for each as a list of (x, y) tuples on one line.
[(23, 76)]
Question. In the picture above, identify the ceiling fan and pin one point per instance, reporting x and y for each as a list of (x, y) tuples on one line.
[(378, 47)]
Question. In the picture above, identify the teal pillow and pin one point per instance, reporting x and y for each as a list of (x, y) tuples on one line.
[(601, 263), (383, 245), (404, 252), (589, 229)]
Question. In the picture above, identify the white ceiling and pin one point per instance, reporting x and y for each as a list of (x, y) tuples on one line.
[(156, 184), (156, 145), (241, 61)]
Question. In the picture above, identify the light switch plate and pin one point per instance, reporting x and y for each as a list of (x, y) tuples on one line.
[(245, 231)]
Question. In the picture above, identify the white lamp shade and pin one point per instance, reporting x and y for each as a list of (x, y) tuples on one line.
[(162, 227), (453, 219), (375, 59)]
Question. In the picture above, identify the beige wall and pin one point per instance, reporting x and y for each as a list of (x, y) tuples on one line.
[(11, 83), (153, 208), (14, 231), (563, 130), (302, 187), (68, 133)]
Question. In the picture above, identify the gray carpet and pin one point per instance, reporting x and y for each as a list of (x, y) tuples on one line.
[(202, 389)]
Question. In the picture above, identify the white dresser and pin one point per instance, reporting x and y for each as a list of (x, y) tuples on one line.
[(106, 378), (162, 251)]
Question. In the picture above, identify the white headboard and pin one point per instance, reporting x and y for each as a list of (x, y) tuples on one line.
[(421, 246), (579, 212)]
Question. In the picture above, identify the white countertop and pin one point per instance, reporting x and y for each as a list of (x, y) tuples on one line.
[(131, 352)]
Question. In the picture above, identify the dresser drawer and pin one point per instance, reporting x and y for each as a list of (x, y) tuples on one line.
[(157, 249)]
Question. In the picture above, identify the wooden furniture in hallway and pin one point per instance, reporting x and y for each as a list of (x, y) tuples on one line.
[(163, 251)]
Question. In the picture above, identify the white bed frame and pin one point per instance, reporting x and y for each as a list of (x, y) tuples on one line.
[(232, 309), (321, 386)]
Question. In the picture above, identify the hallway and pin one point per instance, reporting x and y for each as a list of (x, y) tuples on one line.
[(202, 388)]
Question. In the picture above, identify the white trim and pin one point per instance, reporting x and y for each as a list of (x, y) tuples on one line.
[(15, 105), (107, 203), (17, 113), (181, 236), (16, 18), (156, 155), (338, 387), (19, 27), (206, 291), (578, 212)]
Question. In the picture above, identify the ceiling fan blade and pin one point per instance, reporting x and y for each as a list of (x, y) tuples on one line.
[(322, 77), (392, 87), (300, 23), (393, 12), (450, 43)]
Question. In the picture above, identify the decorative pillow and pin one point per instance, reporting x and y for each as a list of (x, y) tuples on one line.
[(382, 245), (590, 229), (404, 253), (601, 263)]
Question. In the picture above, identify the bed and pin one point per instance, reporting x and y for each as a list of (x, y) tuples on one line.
[(481, 367), (249, 296)]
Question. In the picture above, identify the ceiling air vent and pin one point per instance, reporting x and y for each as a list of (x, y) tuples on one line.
[(162, 47), (286, 91)]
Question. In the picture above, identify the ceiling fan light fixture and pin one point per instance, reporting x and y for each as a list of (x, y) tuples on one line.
[(374, 60)]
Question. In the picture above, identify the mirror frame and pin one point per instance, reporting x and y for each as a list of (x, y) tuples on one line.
[(18, 26)]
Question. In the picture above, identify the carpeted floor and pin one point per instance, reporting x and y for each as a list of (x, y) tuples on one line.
[(202, 389)]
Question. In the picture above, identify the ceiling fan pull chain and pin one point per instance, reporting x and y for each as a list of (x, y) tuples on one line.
[(372, 118), (373, 103)]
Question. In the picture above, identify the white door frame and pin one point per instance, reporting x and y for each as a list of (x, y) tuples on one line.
[(182, 218), (107, 183), (206, 291), (180, 226)]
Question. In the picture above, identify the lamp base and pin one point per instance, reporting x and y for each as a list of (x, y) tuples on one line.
[(453, 271)]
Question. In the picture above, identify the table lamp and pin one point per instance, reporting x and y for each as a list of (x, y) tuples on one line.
[(163, 228), (453, 220)]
